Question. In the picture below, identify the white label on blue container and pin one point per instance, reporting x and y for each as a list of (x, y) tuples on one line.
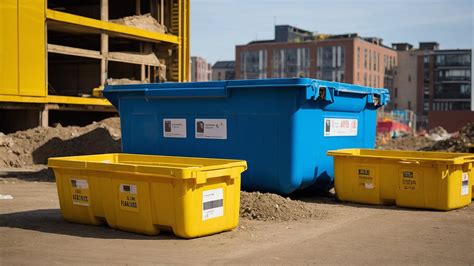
[(465, 184), (174, 128), (211, 128), (338, 127), (212, 203)]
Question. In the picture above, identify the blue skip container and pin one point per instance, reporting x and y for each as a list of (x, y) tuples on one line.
[(281, 127)]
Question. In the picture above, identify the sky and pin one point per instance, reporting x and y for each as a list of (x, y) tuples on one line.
[(218, 25)]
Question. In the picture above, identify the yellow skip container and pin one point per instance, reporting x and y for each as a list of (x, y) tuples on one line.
[(146, 194), (431, 180)]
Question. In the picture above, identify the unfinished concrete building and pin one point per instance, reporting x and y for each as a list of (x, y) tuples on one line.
[(54, 53)]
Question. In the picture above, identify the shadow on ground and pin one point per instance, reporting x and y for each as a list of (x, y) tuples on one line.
[(324, 197), (42, 175), (50, 221), (96, 141)]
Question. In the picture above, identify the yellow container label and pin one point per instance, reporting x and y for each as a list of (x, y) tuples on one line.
[(465, 184), (409, 180), (128, 196), (366, 177), (212, 203), (80, 192)]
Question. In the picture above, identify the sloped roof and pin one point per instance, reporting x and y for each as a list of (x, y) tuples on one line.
[(224, 64)]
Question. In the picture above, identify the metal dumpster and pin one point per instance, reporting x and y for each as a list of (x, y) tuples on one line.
[(431, 180), (281, 127)]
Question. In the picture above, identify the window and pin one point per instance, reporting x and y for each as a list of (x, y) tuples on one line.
[(426, 106), (396, 93), (365, 58), (409, 105), (377, 65), (451, 105), (219, 74), (254, 64), (370, 59), (426, 59), (453, 60), (358, 57), (440, 60), (374, 60), (292, 62), (452, 91), (453, 74), (358, 76), (365, 79), (409, 78), (457, 73), (331, 62)]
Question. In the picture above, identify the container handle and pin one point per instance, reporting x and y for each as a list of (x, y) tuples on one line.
[(469, 158), (409, 161), (378, 99), (323, 93)]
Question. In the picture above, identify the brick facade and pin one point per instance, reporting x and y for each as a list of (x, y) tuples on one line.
[(354, 70)]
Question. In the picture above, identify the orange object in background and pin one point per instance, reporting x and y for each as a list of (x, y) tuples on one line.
[(391, 127)]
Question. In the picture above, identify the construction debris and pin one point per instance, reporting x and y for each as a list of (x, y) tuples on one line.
[(124, 81), (437, 139), (438, 133), (146, 22), (139, 58), (457, 143), (407, 142), (161, 72)]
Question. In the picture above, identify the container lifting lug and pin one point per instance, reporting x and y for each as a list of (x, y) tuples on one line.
[(324, 93), (376, 98)]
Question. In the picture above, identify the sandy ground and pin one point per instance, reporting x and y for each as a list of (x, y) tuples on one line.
[(32, 231)]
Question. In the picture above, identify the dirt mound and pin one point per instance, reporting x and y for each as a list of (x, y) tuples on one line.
[(457, 143), (146, 22), (272, 207), (36, 145), (408, 142)]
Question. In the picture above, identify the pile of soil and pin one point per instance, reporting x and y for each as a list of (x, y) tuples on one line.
[(36, 145), (146, 22), (272, 207), (457, 143), (407, 142)]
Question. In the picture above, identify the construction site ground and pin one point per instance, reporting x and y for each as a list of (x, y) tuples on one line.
[(299, 229), (32, 230)]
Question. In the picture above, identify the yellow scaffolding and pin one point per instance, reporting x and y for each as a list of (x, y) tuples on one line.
[(24, 48)]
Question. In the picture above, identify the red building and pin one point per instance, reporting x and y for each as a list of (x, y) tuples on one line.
[(297, 53)]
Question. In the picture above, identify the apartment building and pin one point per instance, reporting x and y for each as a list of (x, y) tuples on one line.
[(223, 70), (200, 69), (435, 84), (405, 80), (344, 58), (444, 91)]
